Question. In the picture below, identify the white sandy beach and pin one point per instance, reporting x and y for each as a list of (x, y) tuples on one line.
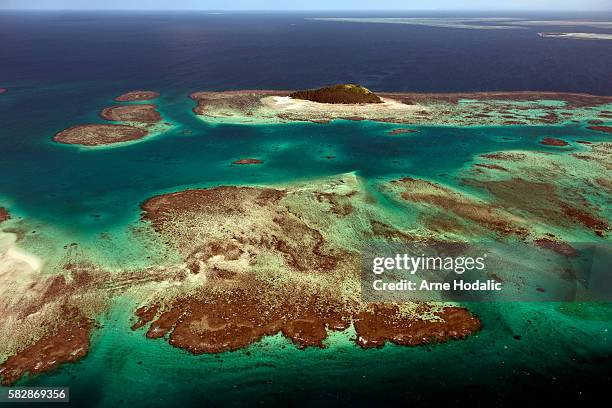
[(286, 104)]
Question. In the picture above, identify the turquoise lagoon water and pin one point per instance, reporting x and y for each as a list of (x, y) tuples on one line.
[(77, 194)]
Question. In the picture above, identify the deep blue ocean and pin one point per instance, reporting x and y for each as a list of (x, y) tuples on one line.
[(184, 52), (61, 68)]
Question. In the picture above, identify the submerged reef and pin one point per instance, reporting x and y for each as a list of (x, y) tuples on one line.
[(605, 129), (137, 96), (344, 93), (2, 90), (401, 131), (553, 141), (248, 161)]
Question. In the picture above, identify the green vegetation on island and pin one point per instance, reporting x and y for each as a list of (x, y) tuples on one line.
[(343, 93)]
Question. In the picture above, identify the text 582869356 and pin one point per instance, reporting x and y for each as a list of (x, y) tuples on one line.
[(35, 394)]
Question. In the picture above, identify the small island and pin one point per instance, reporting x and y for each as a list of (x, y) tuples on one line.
[(143, 113), (343, 93), (137, 96), (248, 161), (401, 131), (97, 135)]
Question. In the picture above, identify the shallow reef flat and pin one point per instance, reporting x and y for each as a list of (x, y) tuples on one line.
[(456, 109), (520, 195), (282, 259), (256, 261)]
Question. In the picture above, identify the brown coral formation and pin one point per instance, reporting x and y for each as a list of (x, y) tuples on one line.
[(401, 131), (97, 135), (551, 141), (248, 161), (46, 320), (4, 215), (605, 129), (230, 319), (378, 325), (137, 96), (471, 211), (562, 248), (144, 113), (271, 261), (67, 342), (542, 202)]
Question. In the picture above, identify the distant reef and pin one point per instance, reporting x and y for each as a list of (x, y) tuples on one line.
[(578, 36), (137, 96), (2, 90), (343, 93)]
